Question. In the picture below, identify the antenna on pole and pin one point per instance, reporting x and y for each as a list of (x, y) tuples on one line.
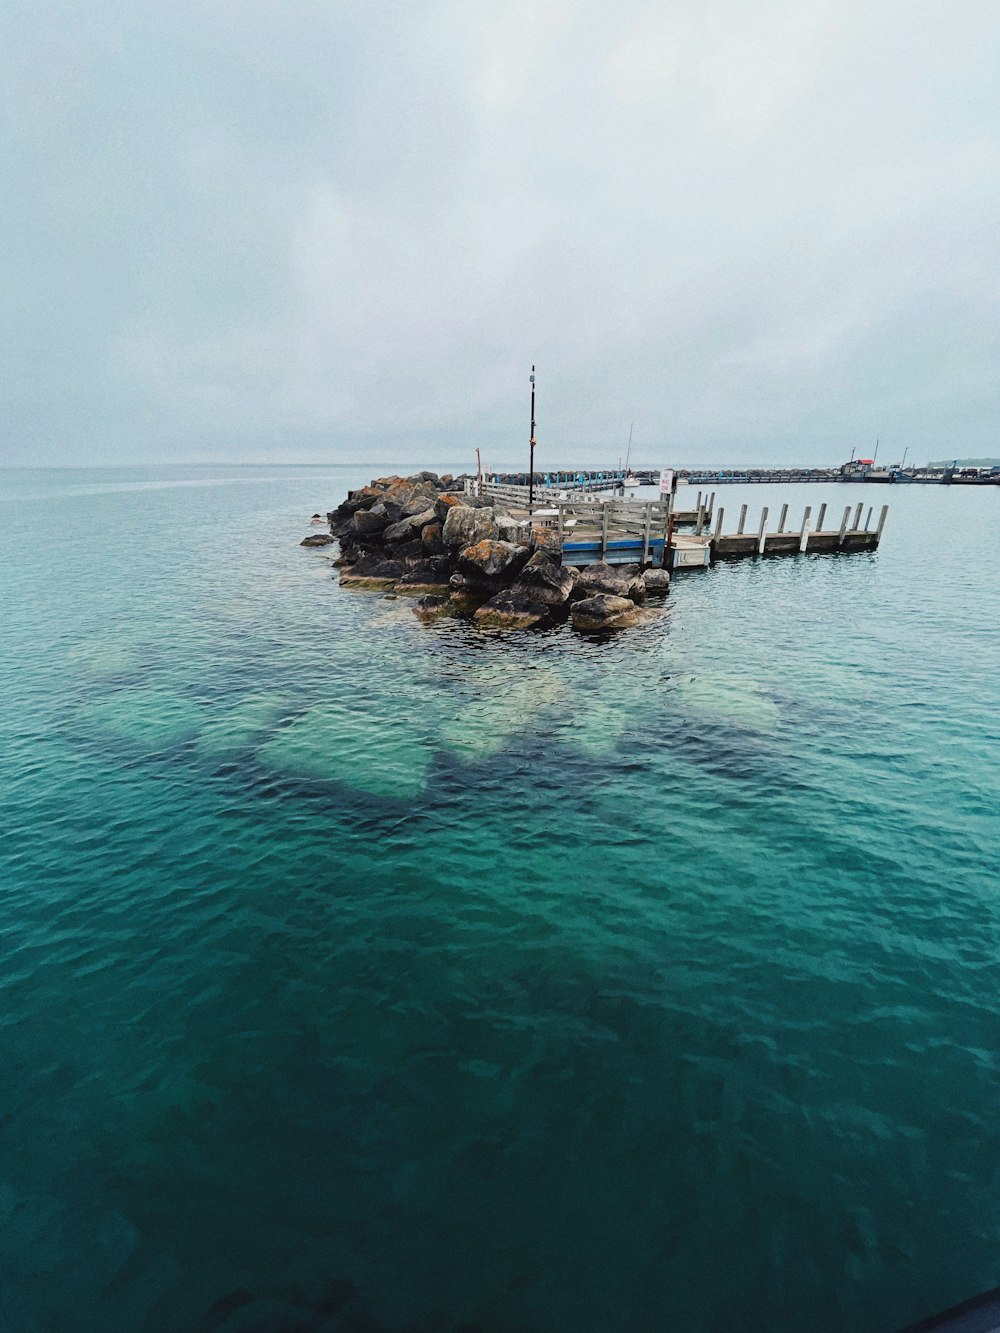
[(531, 444)]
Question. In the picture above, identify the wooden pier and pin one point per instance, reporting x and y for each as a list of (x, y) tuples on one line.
[(849, 536), (644, 532)]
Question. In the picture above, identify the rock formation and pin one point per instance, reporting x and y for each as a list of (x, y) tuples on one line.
[(455, 554)]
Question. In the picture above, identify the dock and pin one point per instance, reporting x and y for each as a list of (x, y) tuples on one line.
[(644, 532)]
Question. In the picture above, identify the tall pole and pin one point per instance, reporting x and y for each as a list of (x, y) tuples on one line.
[(531, 469)]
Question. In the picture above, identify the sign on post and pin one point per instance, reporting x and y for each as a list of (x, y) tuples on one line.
[(666, 481)]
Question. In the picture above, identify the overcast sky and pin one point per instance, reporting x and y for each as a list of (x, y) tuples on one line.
[(249, 230)]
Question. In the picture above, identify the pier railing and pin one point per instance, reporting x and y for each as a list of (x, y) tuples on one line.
[(633, 511)]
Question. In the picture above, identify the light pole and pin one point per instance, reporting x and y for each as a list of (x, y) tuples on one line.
[(531, 469)]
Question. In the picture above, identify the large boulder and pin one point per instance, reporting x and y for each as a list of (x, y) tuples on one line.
[(546, 539), (657, 582), (408, 526), (444, 504), (512, 529), (361, 499), (544, 581), (509, 609), (371, 574), (465, 526), (605, 612), (430, 537), (317, 539), (421, 502), (615, 580), (491, 560), (371, 522), (406, 497)]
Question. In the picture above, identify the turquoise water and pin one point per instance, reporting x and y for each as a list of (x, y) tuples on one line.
[(357, 969)]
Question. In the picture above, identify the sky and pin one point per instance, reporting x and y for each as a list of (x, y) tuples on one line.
[(323, 232)]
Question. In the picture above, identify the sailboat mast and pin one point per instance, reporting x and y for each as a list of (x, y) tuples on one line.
[(531, 444)]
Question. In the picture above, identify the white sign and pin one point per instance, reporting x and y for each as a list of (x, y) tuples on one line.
[(666, 481)]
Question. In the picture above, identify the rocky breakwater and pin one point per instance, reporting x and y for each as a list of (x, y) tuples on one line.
[(458, 555)]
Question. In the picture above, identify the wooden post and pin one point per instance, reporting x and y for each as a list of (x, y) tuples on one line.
[(604, 530), (743, 519), (697, 503), (701, 517), (718, 524), (868, 517), (843, 526), (804, 534), (561, 535), (784, 515), (881, 524), (857, 517), (668, 555), (762, 535), (822, 516), (645, 534)]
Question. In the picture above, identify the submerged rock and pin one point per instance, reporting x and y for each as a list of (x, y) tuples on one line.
[(500, 703), (605, 611), (510, 610), (363, 749), (433, 607), (317, 539)]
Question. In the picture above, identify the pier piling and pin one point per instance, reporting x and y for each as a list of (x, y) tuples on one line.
[(843, 526)]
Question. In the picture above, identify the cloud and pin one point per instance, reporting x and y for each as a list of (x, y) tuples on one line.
[(320, 231)]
